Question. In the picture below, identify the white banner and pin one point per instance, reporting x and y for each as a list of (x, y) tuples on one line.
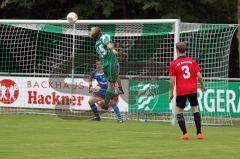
[(38, 92)]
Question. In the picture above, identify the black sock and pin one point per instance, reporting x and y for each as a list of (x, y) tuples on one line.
[(181, 123), (197, 119)]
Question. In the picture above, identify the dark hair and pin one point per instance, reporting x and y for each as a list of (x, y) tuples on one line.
[(181, 46)]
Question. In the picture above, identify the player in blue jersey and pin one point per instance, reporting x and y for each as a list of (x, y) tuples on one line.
[(99, 94)]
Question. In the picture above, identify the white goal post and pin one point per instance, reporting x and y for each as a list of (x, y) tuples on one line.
[(50, 59)]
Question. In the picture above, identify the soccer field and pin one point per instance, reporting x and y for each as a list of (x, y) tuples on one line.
[(27, 136)]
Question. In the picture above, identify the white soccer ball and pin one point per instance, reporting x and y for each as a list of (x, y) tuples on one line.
[(72, 17)]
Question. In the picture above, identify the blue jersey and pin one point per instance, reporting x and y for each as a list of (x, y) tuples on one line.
[(100, 77)]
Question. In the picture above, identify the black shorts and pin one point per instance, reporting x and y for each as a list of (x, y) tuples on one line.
[(192, 98)]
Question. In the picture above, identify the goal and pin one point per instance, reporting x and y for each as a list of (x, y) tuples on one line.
[(45, 65)]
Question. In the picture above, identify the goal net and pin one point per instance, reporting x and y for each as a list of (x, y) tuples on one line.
[(45, 66)]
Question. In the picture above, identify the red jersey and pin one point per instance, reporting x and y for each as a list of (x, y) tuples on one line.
[(185, 70)]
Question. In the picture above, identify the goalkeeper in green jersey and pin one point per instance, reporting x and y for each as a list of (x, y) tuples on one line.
[(110, 64)]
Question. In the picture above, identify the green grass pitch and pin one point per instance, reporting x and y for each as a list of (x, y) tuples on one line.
[(49, 137)]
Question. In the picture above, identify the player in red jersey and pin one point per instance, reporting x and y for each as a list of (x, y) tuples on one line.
[(185, 72)]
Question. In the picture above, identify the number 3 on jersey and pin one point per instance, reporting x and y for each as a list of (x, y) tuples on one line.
[(186, 73)]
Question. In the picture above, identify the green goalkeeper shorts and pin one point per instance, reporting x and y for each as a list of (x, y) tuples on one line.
[(111, 72)]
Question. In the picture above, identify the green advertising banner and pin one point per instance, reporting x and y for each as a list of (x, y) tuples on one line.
[(220, 98), (148, 96)]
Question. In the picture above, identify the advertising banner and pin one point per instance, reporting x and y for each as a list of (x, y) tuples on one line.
[(38, 92), (220, 98)]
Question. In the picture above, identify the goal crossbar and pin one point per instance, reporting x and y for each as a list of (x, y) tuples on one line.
[(132, 21)]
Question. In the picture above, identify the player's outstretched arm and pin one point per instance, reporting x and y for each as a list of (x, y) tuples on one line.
[(172, 85), (111, 47), (120, 55), (200, 80)]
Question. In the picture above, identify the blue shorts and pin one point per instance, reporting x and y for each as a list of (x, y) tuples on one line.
[(101, 93)]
